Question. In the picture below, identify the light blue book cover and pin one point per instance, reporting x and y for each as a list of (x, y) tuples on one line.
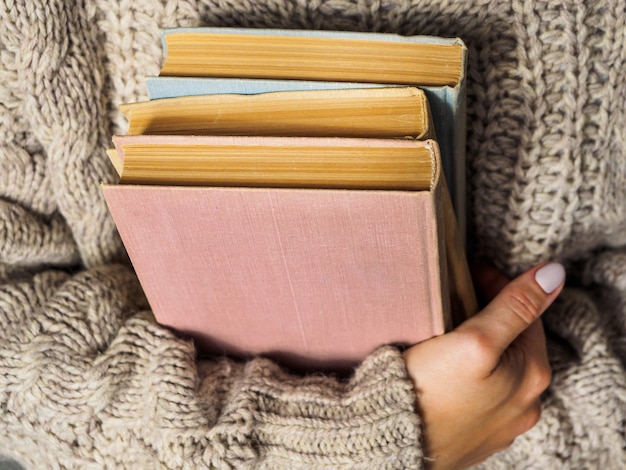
[(447, 103)]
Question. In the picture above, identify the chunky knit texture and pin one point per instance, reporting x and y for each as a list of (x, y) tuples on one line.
[(88, 380)]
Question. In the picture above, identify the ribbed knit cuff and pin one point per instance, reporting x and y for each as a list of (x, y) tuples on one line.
[(291, 422)]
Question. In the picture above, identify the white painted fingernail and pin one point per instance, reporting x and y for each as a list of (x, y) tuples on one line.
[(550, 276)]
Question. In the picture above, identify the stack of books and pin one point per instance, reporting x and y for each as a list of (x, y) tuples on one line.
[(283, 193)]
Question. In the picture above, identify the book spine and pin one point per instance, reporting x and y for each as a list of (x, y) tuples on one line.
[(447, 105)]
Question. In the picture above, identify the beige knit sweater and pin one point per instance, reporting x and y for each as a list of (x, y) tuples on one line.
[(88, 380)]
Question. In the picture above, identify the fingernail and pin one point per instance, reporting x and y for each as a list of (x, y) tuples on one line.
[(550, 276)]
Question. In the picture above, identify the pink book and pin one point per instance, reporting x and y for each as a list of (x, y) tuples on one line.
[(315, 278)]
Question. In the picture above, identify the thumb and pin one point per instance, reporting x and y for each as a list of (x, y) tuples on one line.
[(516, 307)]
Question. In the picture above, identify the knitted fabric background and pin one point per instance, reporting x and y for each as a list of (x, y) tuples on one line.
[(87, 379)]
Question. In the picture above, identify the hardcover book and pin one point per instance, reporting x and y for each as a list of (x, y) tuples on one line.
[(274, 161), (313, 277), (400, 112)]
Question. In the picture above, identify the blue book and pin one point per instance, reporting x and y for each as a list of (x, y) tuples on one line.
[(219, 68)]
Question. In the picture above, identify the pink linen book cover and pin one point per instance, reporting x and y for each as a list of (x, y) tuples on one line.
[(316, 278)]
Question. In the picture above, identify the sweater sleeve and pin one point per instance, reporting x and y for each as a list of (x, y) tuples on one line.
[(87, 378)]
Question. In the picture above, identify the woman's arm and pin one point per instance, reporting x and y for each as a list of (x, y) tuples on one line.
[(88, 378)]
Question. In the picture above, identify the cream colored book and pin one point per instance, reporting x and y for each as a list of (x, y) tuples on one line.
[(397, 112), (304, 162), (312, 55)]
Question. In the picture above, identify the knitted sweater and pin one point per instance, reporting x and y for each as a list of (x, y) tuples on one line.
[(89, 380)]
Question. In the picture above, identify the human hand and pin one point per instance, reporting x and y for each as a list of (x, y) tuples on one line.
[(478, 386)]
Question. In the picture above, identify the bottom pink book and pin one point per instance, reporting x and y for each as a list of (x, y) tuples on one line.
[(315, 278)]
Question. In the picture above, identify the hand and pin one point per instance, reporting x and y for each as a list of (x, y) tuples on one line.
[(478, 386)]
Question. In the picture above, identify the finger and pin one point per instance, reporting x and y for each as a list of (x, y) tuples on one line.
[(516, 307), (536, 350), (533, 341)]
